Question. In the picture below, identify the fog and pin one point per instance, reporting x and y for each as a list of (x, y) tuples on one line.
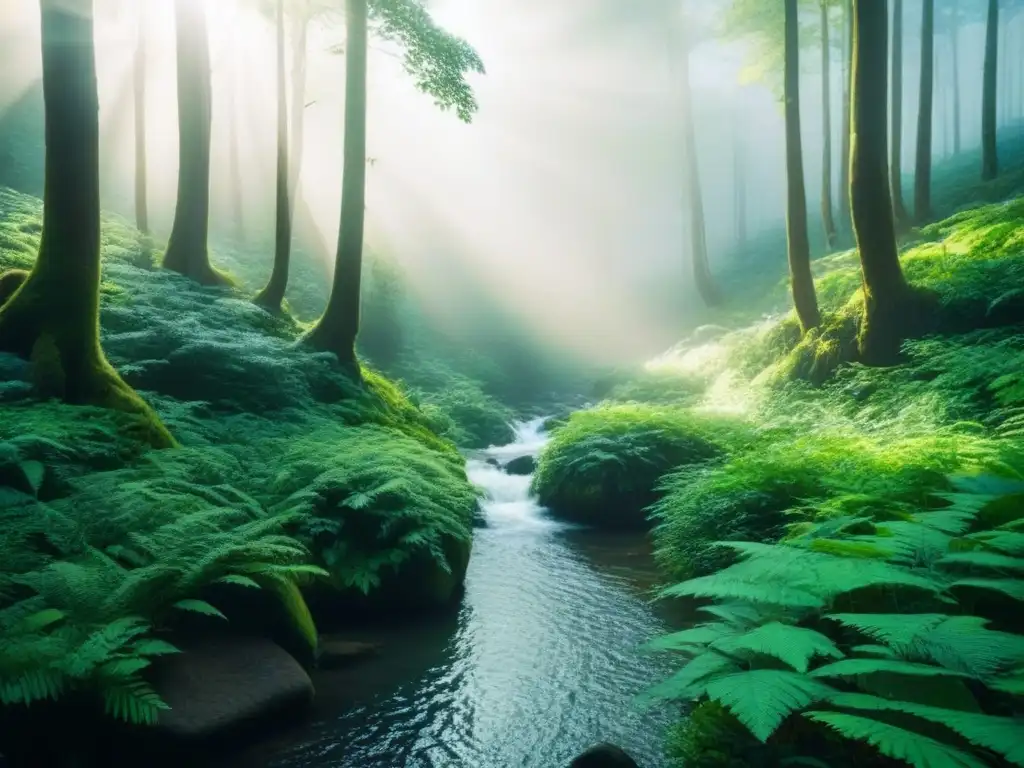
[(562, 205)]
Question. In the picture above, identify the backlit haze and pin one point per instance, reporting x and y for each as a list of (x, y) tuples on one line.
[(562, 203)]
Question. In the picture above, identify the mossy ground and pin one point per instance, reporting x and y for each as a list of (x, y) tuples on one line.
[(805, 434), (288, 474)]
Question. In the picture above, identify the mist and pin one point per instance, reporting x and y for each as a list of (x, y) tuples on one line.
[(561, 207)]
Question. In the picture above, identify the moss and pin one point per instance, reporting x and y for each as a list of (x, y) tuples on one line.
[(603, 466)]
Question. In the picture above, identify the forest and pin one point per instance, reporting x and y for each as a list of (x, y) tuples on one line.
[(464, 384)]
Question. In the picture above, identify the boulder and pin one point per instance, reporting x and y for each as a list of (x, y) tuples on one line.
[(604, 756), (220, 689), (334, 653), (521, 465)]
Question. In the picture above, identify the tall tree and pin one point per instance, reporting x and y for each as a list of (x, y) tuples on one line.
[(989, 157), (139, 88), (799, 247), (187, 251), (438, 62), (701, 270), (896, 168), (844, 168), (884, 286), (52, 318), (827, 220), (272, 296), (954, 62), (923, 167)]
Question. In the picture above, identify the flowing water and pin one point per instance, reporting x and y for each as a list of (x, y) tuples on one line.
[(540, 661)]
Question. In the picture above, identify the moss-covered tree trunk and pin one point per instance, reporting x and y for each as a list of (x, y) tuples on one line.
[(896, 168), (885, 289), (187, 247), (799, 247), (989, 157), (828, 222), (954, 62), (337, 328), (272, 296), (923, 165), (139, 87), (53, 317), (701, 270), (844, 165)]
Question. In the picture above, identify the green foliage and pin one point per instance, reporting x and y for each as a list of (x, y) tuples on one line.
[(879, 649), (604, 464)]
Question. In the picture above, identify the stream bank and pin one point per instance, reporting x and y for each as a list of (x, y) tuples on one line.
[(540, 661)]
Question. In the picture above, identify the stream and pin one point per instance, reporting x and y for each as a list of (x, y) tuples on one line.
[(540, 661)]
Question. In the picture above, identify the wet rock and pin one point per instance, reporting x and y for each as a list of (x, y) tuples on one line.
[(225, 687), (493, 462), (522, 465), (604, 756), (335, 653)]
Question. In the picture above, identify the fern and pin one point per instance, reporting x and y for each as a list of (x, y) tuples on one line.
[(762, 698)]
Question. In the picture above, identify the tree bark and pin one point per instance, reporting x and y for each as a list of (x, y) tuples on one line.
[(272, 296), (989, 156), (187, 247), (954, 42), (885, 289), (799, 247), (139, 85), (698, 238), (844, 167), (52, 318), (827, 219), (896, 169), (337, 328), (923, 169)]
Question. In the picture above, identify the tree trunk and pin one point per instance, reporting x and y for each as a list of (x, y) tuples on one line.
[(844, 167), (337, 328), (828, 221), (923, 170), (799, 247), (739, 186), (187, 247), (896, 170), (139, 84), (885, 289), (954, 43), (52, 318), (272, 296), (989, 156), (698, 239), (301, 30)]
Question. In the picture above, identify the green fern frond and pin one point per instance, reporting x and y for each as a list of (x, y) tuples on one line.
[(1013, 588), (1002, 735), (762, 698), (794, 646), (892, 741), (690, 682), (853, 668), (199, 606), (982, 559), (133, 701)]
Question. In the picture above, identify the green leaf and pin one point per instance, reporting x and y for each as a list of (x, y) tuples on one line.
[(690, 682), (41, 619), (1010, 587), (239, 581), (1004, 735), (858, 667), (795, 646), (762, 698), (703, 634), (981, 559), (199, 606), (897, 743)]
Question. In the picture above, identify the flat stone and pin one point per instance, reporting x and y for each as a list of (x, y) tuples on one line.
[(604, 756), (228, 684)]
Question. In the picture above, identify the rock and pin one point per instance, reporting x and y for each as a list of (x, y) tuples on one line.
[(335, 653), (493, 462), (522, 465), (604, 756), (225, 686)]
